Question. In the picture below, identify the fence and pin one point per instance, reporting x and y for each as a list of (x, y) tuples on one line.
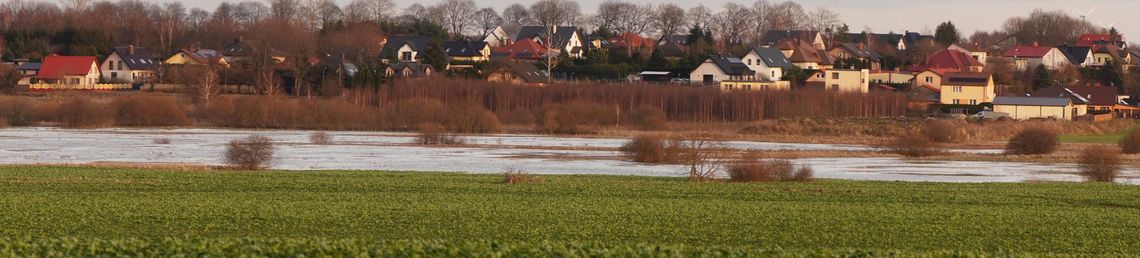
[(77, 87)]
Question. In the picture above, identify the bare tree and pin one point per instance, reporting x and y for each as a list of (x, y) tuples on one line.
[(209, 85), (699, 156), (730, 25), (487, 19), (551, 13), (516, 14), (701, 16), (251, 12), (760, 19), (823, 19), (268, 83), (669, 19), (416, 10), (457, 15), (1047, 28), (786, 16), (609, 14), (75, 6), (285, 10), (197, 18), (171, 23), (374, 10)]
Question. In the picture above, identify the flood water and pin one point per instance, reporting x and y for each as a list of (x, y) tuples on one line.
[(489, 154)]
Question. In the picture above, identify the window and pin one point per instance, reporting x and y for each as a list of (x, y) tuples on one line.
[(957, 102), (973, 102), (774, 77), (957, 88), (929, 79), (406, 56), (747, 87), (749, 61), (730, 87), (120, 65), (835, 76), (114, 75), (708, 78)]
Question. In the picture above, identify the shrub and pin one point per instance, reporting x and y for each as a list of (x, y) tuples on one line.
[(142, 110), (1100, 164), (320, 138), (410, 114), (252, 153), (1033, 141), (752, 168), (943, 131), (699, 156), (17, 111), (518, 176), (913, 145), (81, 112), (517, 117), (470, 117), (1131, 143), (162, 141), (648, 118), (577, 117), (652, 149), (435, 134)]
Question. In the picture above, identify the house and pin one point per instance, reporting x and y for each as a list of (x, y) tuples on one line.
[(806, 56), (521, 50), (847, 80), (27, 72), (632, 42), (768, 63), (1032, 56), (242, 50), (950, 60), (518, 73), (1022, 108), (755, 85), (674, 40), (566, 40), (858, 51), (129, 65), (1078, 56), (405, 49), (69, 70), (925, 98), (1096, 40), (976, 51), (890, 77), (337, 65), (498, 37), (465, 53), (900, 42), (194, 56), (812, 38), (718, 68), (959, 88), (1102, 55), (1099, 99), (409, 70)]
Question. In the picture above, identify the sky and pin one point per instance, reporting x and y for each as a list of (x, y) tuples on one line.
[(888, 15)]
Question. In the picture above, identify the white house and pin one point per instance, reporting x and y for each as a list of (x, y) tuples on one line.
[(719, 68), (768, 63), (1029, 57), (405, 49), (498, 37), (129, 65), (69, 70), (564, 40)]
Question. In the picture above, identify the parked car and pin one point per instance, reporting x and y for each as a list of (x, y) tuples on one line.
[(991, 115)]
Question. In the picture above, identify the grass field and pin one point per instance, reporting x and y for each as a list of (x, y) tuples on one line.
[(53, 211), (1111, 138)]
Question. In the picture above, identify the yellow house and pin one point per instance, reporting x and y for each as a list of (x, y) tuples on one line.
[(1031, 107), (754, 85), (928, 78), (967, 88), (188, 56), (843, 80)]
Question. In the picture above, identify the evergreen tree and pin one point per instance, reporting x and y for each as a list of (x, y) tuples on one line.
[(657, 60), (435, 56), (947, 34), (841, 34), (1042, 77)]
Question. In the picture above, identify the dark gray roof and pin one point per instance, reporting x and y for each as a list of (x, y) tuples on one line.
[(873, 38), (731, 65), (29, 66), (418, 69), (417, 43), (527, 71), (1076, 55), (561, 36), (773, 57), (138, 59), (679, 39), (464, 47), (864, 52), (1032, 101), (772, 37)]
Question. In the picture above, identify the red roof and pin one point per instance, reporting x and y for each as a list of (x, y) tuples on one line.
[(1090, 39), (630, 39), (522, 49), (1028, 51), (950, 60), (56, 67)]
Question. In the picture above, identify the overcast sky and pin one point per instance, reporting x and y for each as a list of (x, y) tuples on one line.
[(891, 15)]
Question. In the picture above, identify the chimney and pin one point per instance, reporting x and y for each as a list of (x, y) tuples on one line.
[(131, 50), (1035, 44), (861, 46)]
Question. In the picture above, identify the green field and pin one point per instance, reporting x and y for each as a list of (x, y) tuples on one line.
[(1112, 138), (93, 211)]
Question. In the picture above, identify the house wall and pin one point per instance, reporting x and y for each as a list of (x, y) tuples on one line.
[(1030, 112), (114, 70), (757, 64), (848, 80), (808, 65), (179, 58), (709, 68), (892, 77), (575, 41), (967, 95), (406, 49), (981, 56), (754, 85), (928, 78)]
